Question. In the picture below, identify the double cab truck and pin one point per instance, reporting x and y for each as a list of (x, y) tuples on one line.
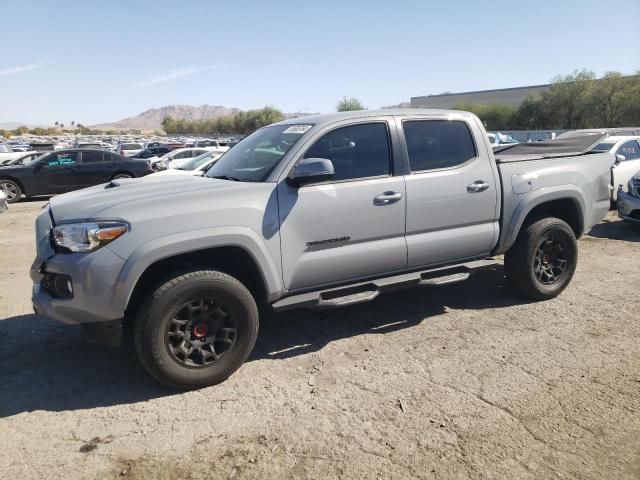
[(316, 212)]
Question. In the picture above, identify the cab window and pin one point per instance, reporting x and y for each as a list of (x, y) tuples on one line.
[(357, 151)]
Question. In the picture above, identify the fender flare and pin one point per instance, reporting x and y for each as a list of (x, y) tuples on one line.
[(190, 241), (531, 201)]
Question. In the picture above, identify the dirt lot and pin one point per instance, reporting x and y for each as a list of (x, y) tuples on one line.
[(464, 381)]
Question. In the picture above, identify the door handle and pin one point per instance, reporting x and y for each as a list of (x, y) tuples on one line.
[(478, 186), (386, 198)]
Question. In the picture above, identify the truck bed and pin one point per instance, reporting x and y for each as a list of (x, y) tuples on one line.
[(568, 147)]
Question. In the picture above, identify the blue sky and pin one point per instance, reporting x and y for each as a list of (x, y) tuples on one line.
[(94, 61)]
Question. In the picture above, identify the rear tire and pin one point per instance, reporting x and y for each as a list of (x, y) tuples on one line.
[(196, 329), (12, 190), (543, 259)]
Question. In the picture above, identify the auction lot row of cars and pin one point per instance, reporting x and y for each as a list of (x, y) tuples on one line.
[(318, 212)]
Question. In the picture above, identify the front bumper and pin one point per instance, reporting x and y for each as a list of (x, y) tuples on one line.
[(628, 207), (93, 276)]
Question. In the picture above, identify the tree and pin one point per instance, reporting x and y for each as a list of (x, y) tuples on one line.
[(73, 124), (349, 105), (494, 117), (56, 124), (568, 97)]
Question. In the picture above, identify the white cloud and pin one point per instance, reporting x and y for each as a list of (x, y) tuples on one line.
[(23, 68), (175, 74)]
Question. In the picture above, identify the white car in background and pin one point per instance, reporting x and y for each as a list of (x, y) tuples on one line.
[(7, 154), (627, 152), (498, 139), (196, 166), (163, 162), (129, 149), (222, 145)]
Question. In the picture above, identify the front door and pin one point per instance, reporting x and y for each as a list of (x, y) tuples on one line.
[(57, 173), (351, 227), (452, 192)]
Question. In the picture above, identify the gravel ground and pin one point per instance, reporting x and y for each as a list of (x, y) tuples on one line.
[(464, 381)]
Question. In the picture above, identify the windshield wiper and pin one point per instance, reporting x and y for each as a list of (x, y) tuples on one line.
[(226, 177)]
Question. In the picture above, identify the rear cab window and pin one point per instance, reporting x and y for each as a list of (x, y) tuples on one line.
[(438, 144)]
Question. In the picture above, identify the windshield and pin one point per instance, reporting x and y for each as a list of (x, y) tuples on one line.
[(603, 147), (254, 158), (196, 162)]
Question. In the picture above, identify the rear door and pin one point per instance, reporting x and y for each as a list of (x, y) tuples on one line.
[(452, 191), (350, 227), (95, 168)]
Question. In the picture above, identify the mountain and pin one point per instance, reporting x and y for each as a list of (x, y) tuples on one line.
[(152, 118)]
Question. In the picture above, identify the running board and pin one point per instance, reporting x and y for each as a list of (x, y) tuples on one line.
[(366, 291)]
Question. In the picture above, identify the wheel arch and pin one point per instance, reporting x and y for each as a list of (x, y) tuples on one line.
[(228, 249), (16, 180), (566, 204)]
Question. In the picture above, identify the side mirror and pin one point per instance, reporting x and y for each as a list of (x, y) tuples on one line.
[(311, 170), (620, 158)]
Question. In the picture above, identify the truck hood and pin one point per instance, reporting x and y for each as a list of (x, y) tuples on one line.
[(120, 195)]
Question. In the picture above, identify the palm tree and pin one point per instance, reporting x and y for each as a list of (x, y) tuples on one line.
[(56, 124), (62, 126), (72, 124)]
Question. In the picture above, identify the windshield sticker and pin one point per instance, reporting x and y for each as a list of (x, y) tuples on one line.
[(299, 129)]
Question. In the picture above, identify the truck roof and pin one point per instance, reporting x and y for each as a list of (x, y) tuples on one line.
[(336, 116)]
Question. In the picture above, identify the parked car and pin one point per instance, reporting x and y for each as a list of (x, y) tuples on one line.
[(129, 149), (196, 166), (162, 163), (7, 154), (321, 211), (22, 159), (629, 201), (66, 170), (500, 139), (152, 152), (627, 154), (3, 201), (217, 144), (620, 131)]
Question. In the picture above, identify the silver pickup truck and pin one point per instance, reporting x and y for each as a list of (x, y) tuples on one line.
[(322, 211)]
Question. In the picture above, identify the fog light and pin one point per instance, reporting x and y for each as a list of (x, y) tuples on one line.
[(58, 286)]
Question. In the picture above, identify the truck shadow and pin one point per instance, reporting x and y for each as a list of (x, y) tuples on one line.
[(48, 366), (616, 230), (301, 332)]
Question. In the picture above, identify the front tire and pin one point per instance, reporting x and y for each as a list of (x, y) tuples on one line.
[(196, 329), (543, 259), (12, 190)]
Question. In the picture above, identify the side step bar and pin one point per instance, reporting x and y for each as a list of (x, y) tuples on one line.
[(366, 291)]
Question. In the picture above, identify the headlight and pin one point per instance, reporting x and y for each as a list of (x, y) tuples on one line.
[(86, 237)]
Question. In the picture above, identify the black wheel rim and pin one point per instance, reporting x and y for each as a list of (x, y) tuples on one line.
[(10, 190), (200, 332), (552, 259)]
